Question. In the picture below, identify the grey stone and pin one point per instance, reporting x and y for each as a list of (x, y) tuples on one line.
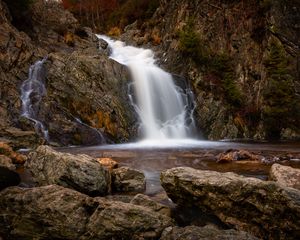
[(55, 212), (248, 204), (125, 179), (79, 172)]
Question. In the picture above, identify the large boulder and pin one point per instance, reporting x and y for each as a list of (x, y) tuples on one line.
[(248, 204), (203, 233), (54, 212), (80, 172), (51, 212), (119, 220), (285, 175)]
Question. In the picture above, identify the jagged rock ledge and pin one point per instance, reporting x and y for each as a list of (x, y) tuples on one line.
[(247, 204)]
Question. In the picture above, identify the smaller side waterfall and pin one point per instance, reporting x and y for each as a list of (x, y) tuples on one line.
[(99, 134), (32, 91)]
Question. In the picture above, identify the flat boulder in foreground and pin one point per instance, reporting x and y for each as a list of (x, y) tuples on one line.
[(262, 208), (80, 172), (55, 212)]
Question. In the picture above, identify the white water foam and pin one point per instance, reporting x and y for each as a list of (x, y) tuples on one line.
[(161, 105)]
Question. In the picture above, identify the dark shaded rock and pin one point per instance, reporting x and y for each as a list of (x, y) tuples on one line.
[(79, 172), (285, 176), (145, 201), (54, 212), (118, 220), (125, 179), (248, 204), (8, 178), (193, 232)]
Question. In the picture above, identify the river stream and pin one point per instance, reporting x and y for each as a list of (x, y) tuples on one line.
[(153, 158)]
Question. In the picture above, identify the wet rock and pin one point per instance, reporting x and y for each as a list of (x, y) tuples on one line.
[(194, 232), (108, 163), (20, 138), (125, 179), (106, 109), (285, 175), (235, 199), (103, 44), (236, 155), (54, 212), (145, 201), (79, 172), (118, 220), (8, 177)]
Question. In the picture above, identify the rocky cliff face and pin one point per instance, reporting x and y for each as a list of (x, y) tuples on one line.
[(240, 57), (86, 92)]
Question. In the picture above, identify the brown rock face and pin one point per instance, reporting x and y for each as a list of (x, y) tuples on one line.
[(54, 212), (247, 204), (223, 47), (86, 97), (285, 176)]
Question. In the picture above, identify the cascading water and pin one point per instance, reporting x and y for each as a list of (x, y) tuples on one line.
[(161, 105), (32, 91)]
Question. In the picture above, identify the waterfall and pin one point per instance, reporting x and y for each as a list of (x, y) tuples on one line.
[(161, 105), (32, 91)]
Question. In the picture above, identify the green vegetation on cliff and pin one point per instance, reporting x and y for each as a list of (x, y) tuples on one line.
[(279, 96), (217, 63)]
